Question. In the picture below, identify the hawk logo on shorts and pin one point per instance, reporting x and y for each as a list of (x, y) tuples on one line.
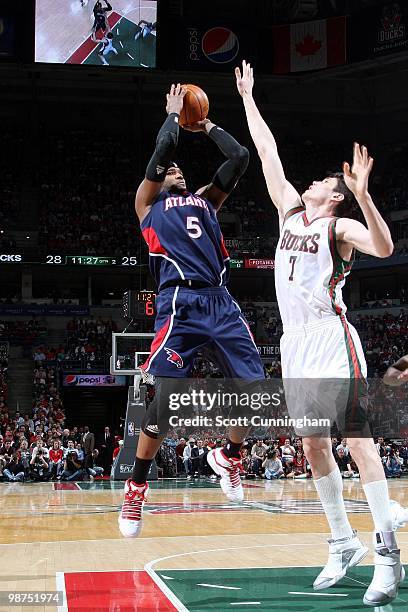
[(174, 357)]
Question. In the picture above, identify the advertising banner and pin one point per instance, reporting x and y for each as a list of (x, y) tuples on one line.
[(268, 350), (93, 380), (260, 264), (379, 31), (213, 47)]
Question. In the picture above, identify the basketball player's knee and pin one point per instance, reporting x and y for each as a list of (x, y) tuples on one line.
[(361, 448), (156, 421), (149, 424), (315, 448)]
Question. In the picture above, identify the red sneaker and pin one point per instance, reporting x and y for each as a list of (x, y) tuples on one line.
[(230, 471), (130, 518)]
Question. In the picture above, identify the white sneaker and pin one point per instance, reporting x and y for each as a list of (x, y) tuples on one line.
[(343, 553), (130, 518), (399, 515), (388, 571), (229, 469)]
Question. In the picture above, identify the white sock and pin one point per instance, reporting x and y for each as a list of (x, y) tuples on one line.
[(379, 501), (330, 490)]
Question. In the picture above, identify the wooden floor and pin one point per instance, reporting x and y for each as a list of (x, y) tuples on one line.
[(63, 26), (194, 546)]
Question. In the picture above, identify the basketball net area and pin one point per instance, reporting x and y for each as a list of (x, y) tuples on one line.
[(129, 352)]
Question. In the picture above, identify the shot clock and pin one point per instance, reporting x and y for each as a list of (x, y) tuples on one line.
[(139, 305)]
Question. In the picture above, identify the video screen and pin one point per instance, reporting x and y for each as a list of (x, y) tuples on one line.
[(97, 33)]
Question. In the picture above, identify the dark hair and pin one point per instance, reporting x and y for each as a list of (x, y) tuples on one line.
[(347, 207), (110, 35)]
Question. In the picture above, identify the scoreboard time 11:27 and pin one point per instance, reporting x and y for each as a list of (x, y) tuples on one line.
[(70, 260)]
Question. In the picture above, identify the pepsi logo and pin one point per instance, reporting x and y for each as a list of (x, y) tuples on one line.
[(71, 380), (220, 45)]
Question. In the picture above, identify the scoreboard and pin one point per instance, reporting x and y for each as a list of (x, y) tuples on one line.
[(70, 260)]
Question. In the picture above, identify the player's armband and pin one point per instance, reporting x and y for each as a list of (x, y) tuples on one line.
[(166, 144), (231, 171)]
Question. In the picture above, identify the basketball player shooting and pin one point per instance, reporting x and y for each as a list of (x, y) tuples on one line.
[(313, 256), (190, 264), (101, 19)]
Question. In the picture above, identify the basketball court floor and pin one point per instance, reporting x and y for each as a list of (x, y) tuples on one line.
[(197, 551), (63, 32)]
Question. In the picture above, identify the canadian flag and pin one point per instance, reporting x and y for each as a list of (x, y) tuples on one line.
[(309, 46)]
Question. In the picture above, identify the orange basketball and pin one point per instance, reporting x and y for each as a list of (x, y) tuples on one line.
[(195, 106)]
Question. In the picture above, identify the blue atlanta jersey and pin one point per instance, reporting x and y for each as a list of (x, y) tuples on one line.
[(185, 240)]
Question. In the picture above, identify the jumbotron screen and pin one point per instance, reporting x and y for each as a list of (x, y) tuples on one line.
[(97, 33)]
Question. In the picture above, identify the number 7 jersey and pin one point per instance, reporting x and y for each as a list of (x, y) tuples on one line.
[(185, 240), (309, 272)]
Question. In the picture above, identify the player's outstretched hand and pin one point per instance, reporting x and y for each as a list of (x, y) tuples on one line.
[(397, 374), (199, 126), (245, 82), (175, 99), (356, 178)]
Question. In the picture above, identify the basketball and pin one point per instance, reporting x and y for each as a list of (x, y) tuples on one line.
[(195, 107)]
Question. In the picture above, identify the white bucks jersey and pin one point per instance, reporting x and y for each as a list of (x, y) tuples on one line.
[(309, 272)]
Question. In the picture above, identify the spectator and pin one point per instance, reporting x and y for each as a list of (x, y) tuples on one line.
[(39, 468), (56, 455), (117, 449), (73, 468), (246, 461), (106, 445), (188, 454), (88, 443), (13, 470), (287, 453), (69, 448), (343, 462), (298, 466), (273, 466), (39, 446), (199, 459), (344, 446), (392, 464), (403, 451), (258, 453), (93, 469), (7, 448), (380, 446), (179, 453), (25, 457), (80, 451)]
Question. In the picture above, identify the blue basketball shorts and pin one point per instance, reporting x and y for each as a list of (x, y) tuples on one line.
[(189, 321)]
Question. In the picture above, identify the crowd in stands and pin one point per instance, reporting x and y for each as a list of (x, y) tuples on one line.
[(32, 451), (87, 341), (270, 458), (384, 338), (22, 333), (87, 186)]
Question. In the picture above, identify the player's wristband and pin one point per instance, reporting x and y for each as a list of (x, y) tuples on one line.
[(166, 144)]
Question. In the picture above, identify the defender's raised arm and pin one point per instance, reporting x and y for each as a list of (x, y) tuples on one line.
[(282, 193)]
